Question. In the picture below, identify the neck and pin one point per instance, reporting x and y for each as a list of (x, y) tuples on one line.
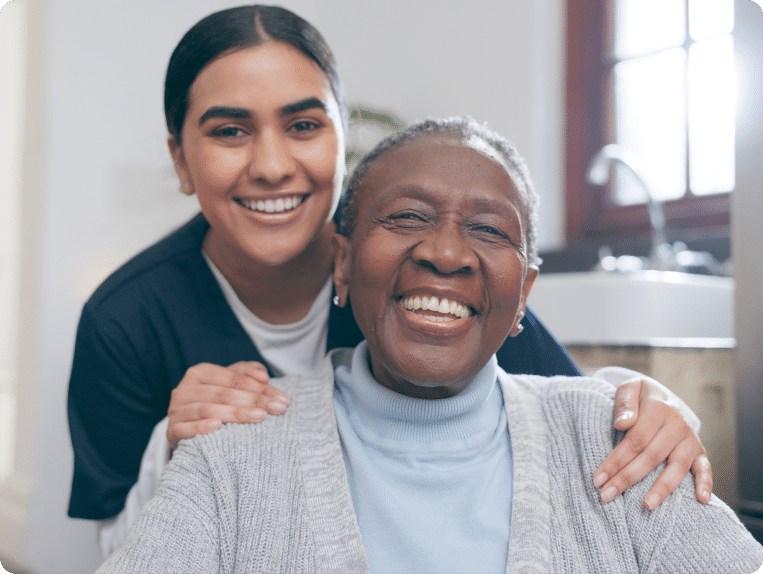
[(280, 294)]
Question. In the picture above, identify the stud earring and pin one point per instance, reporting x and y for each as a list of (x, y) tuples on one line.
[(520, 326), (336, 300)]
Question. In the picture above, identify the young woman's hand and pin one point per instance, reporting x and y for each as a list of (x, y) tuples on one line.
[(656, 431), (210, 395)]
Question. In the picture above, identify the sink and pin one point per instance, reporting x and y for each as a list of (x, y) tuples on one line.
[(640, 308)]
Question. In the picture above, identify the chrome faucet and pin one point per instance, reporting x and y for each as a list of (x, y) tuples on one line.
[(599, 173), (663, 256)]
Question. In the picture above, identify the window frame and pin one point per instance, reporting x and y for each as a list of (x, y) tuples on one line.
[(591, 216)]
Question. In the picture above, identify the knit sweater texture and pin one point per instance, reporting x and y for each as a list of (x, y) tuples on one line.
[(274, 497)]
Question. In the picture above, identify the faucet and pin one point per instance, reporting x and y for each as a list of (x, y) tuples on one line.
[(598, 174)]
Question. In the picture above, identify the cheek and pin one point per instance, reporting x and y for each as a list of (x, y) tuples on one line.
[(320, 159), (218, 167), (505, 281), (376, 270)]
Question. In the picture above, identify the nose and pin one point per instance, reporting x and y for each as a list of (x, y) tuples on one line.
[(272, 160), (446, 251)]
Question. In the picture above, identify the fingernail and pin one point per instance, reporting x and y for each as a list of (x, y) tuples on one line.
[(215, 425), (652, 501), (282, 399), (257, 415), (609, 494), (276, 407), (624, 416), (704, 494), (600, 479)]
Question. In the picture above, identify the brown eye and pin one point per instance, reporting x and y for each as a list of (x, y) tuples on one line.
[(304, 126), (228, 132)]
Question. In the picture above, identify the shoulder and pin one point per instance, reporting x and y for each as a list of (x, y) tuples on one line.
[(177, 246), (564, 413), (309, 398), (564, 392)]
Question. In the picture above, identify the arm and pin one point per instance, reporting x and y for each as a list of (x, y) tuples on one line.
[(178, 530), (200, 397), (659, 427), (683, 536), (109, 399), (118, 391), (113, 532)]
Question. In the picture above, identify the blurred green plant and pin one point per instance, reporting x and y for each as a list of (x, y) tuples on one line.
[(367, 128)]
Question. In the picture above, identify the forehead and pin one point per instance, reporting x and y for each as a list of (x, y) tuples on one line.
[(445, 164), (272, 70)]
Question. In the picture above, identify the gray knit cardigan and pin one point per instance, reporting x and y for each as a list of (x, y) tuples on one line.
[(274, 497)]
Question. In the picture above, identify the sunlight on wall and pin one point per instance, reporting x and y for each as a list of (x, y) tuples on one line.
[(12, 64)]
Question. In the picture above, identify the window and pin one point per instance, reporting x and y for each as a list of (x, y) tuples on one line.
[(658, 78)]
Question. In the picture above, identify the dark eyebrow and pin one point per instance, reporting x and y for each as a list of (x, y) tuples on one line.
[(242, 113), (306, 104), (224, 112)]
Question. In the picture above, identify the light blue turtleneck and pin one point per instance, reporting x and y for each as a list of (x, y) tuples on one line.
[(431, 480)]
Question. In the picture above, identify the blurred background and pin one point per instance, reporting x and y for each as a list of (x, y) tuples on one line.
[(86, 181)]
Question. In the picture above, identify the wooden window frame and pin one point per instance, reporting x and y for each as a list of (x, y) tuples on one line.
[(591, 217)]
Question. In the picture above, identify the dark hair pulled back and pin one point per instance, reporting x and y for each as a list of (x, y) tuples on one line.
[(234, 29)]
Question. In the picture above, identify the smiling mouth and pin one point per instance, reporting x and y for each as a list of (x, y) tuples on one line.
[(280, 205), (435, 308)]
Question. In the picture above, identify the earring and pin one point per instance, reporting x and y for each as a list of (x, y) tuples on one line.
[(336, 300), (520, 326)]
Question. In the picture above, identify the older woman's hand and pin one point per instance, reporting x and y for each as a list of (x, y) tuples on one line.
[(210, 395), (656, 431)]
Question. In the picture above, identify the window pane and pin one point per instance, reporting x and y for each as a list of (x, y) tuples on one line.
[(712, 94), (643, 26), (650, 122), (710, 18)]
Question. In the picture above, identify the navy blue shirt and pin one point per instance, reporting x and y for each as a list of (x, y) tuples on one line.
[(161, 313)]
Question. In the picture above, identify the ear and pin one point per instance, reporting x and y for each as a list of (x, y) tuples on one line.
[(516, 328), (181, 168), (341, 245)]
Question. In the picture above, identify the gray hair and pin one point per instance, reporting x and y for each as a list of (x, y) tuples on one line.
[(464, 128)]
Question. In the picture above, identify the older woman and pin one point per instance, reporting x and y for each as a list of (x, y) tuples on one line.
[(424, 455)]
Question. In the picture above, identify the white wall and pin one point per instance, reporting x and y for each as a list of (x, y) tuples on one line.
[(97, 184)]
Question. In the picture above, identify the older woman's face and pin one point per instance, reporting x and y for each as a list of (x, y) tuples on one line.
[(436, 266)]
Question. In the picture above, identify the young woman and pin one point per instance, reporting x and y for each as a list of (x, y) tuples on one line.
[(424, 455), (195, 325)]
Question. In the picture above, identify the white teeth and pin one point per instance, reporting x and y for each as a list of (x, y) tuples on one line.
[(443, 306), (272, 205)]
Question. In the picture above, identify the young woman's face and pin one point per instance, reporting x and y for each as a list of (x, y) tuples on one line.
[(436, 221), (262, 148)]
